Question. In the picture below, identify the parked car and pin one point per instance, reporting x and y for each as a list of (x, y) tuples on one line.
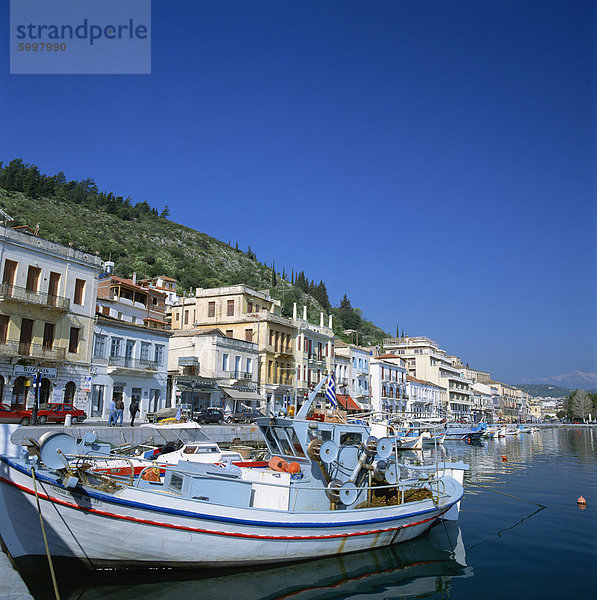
[(8, 414), (55, 412), (211, 414), (244, 416)]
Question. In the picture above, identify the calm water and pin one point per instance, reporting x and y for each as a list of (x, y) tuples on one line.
[(501, 547)]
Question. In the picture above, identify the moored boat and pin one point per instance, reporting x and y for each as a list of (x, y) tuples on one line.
[(333, 489)]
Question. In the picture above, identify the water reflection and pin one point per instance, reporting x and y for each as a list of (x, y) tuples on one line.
[(413, 569)]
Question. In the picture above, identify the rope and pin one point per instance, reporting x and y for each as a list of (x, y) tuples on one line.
[(504, 494), (43, 531)]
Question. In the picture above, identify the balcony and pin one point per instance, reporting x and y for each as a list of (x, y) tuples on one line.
[(240, 375), (11, 348), (131, 364), (13, 293)]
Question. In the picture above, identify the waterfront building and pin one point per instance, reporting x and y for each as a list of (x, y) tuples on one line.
[(357, 372), (313, 351), (424, 398), (253, 316), (129, 362), (483, 409), (47, 308), (428, 362), (209, 368), (388, 383), (509, 401), (130, 348)]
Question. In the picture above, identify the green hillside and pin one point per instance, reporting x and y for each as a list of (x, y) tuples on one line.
[(140, 240)]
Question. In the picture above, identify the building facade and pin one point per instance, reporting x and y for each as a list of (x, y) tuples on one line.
[(129, 362), (388, 384), (313, 352), (358, 380), (251, 316), (209, 368), (47, 308)]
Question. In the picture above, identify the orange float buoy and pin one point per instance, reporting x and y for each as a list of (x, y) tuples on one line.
[(504, 458), (581, 500), (294, 467), (278, 464)]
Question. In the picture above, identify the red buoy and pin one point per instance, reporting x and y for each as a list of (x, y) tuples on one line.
[(504, 458), (581, 500)]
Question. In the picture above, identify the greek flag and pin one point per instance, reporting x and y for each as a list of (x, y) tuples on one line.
[(330, 392), (178, 414)]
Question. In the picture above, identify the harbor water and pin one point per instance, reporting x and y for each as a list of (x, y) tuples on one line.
[(521, 534)]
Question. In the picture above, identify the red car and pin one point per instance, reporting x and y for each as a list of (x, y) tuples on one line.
[(55, 412), (8, 414)]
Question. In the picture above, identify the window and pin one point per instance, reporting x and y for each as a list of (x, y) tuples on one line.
[(249, 307), (237, 365), (186, 317), (225, 362), (33, 278), (10, 270), (159, 354), (115, 347), (53, 284), (73, 342), (230, 308), (99, 346), (49, 331), (211, 309), (4, 320), (249, 335), (145, 346), (177, 316), (79, 291), (229, 333), (249, 365)]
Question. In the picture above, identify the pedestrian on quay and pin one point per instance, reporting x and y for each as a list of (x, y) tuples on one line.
[(112, 413), (119, 412), (134, 409)]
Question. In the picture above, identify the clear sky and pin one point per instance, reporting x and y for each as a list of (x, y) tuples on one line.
[(434, 160)]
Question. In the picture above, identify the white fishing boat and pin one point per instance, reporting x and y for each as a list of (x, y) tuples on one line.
[(333, 489)]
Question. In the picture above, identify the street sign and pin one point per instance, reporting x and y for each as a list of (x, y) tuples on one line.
[(30, 371)]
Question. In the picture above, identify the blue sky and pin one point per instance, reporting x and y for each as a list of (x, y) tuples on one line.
[(433, 160)]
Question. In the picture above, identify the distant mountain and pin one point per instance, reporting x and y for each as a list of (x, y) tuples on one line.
[(544, 391), (572, 381)]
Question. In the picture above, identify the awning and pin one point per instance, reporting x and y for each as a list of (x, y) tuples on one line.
[(347, 402), (237, 394)]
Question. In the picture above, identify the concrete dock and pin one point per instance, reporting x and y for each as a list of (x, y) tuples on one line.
[(118, 436)]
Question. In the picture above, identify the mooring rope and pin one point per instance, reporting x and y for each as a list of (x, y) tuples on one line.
[(43, 532), (504, 494)]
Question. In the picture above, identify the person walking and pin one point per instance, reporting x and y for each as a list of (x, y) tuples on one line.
[(134, 409), (112, 413), (119, 412)]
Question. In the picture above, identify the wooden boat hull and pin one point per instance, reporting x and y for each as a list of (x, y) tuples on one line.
[(138, 527)]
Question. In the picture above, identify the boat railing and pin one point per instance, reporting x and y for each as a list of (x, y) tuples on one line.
[(432, 481)]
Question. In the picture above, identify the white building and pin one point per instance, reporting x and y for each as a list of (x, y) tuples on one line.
[(129, 362), (424, 398), (47, 307), (313, 351), (209, 368), (358, 385), (483, 409), (388, 384), (427, 362)]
